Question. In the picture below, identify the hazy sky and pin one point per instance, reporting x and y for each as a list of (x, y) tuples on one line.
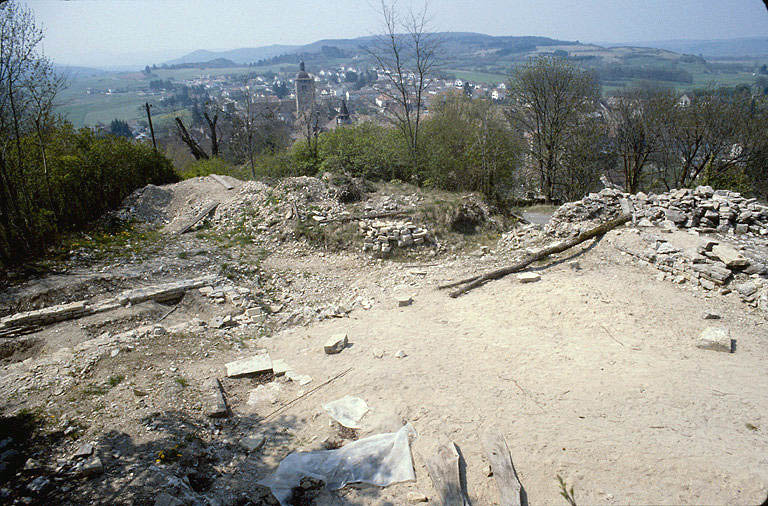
[(104, 32)]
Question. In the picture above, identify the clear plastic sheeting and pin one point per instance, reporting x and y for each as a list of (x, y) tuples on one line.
[(348, 411), (379, 460)]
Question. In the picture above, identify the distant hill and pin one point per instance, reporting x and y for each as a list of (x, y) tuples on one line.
[(487, 58), (453, 42), (210, 64), (240, 56), (717, 48), (72, 71)]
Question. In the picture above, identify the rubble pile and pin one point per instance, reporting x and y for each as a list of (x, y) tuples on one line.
[(384, 236), (711, 265), (703, 209), (147, 204), (730, 256)]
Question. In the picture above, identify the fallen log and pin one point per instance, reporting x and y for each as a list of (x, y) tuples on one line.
[(553, 249), (15, 324), (205, 212)]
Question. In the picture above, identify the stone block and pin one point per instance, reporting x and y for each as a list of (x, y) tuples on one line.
[(528, 277), (730, 257), (336, 344), (257, 364), (216, 406), (716, 339), (404, 300)]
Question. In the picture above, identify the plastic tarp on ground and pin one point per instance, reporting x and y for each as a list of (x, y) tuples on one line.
[(348, 411), (379, 460)]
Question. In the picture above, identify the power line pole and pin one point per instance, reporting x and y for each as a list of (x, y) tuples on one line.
[(151, 128)]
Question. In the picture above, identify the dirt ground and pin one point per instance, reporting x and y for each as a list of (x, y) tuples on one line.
[(591, 373)]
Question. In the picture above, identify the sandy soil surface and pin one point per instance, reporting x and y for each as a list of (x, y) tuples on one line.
[(591, 374)]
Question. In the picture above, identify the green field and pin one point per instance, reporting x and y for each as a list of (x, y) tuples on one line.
[(93, 109), (127, 103), (478, 77)]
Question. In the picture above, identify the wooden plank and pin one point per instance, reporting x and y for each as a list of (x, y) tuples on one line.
[(510, 488), (443, 468), (205, 212), (221, 181)]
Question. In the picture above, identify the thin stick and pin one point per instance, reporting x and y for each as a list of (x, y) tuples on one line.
[(166, 315), (318, 387), (611, 335)]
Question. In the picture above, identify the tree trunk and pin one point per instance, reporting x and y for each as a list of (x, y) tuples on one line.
[(555, 248), (214, 137), (194, 147)]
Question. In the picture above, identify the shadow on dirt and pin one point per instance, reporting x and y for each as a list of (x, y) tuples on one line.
[(181, 460)]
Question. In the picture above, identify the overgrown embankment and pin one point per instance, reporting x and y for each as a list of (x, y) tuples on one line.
[(80, 176)]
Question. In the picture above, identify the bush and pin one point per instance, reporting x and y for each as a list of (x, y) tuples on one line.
[(367, 150), (201, 168), (82, 176)]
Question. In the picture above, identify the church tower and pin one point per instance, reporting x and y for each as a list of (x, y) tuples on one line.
[(305, 93), (343, 118)]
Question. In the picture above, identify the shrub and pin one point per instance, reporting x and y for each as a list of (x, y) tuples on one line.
[(82, 176), (206, 168), (468, 146)]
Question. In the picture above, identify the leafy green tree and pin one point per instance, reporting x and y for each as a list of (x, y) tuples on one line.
[(120, 128), (469, 146)]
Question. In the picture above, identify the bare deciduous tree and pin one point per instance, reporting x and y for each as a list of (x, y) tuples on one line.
[(214, 133), (43, 85), (308, 124), (549, 99), (406, 54), (256, 128), (635, 122), (28, 87), (712, 135)]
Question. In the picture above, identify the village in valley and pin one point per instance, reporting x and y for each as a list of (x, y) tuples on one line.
[(341, 95)]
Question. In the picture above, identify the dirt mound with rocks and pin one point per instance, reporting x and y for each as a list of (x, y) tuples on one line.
[(168, 204)]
